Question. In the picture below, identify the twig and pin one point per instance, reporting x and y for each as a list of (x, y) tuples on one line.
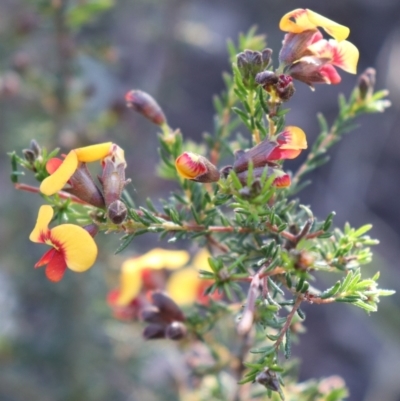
[(289, 318), (61, 194)]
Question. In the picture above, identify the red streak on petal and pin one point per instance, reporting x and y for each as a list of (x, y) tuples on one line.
[(330, 74), (56, 268)]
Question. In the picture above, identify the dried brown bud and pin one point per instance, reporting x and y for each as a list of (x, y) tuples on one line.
[(268, 379), (167, 307), (29, 155), (117, 212), (366, 82), (154, 331), (34, 146), (144, 104), (176, 331), (266, 78)]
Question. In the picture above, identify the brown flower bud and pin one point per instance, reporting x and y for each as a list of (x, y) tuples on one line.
[(29, 155), (35, 147), (366, 83), (113, 176), (144, 104), (92, 229), (268, 378), (154, 331), (167, 307), (176, 331), (117, 211)]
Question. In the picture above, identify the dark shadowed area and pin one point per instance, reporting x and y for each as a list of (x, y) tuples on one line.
[(59, 341)]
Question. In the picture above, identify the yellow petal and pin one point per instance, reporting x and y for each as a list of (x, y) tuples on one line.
[(300, 20), (183, 286), (79, 248), (200, 260), (130, 281), (341, 54), (56, 181), (296, 138), (93, 153), (346, 57), (159, 258), (337, 31), (43, 220), (296, 21)]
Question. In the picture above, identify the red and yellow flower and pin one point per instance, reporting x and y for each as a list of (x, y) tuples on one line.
[(141, 272), (307, 56), (287, 144), (61, 172), (72, 246)]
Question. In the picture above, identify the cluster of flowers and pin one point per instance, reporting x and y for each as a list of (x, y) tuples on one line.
[(142, 279), (305, 56), (73, 246)]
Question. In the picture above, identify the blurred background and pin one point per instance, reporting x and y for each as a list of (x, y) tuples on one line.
[(64, 69)]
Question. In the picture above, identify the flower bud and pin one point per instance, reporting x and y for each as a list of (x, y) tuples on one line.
[(251, 62), (154, 331), (29, 155), (281, 87), (366, 83), (167, 307), (196, 168), (144, 104), (36, 149), (266, 78), (268, 379), (117, 212), (113, 176), (176, 331), (92, 229)]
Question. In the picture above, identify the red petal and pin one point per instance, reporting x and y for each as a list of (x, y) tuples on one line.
[(330, 74), (53, 164), (46, 258), (56, 268), (280, 154)]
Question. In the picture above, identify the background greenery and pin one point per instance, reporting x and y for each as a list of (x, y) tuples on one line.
[(64, 69)]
